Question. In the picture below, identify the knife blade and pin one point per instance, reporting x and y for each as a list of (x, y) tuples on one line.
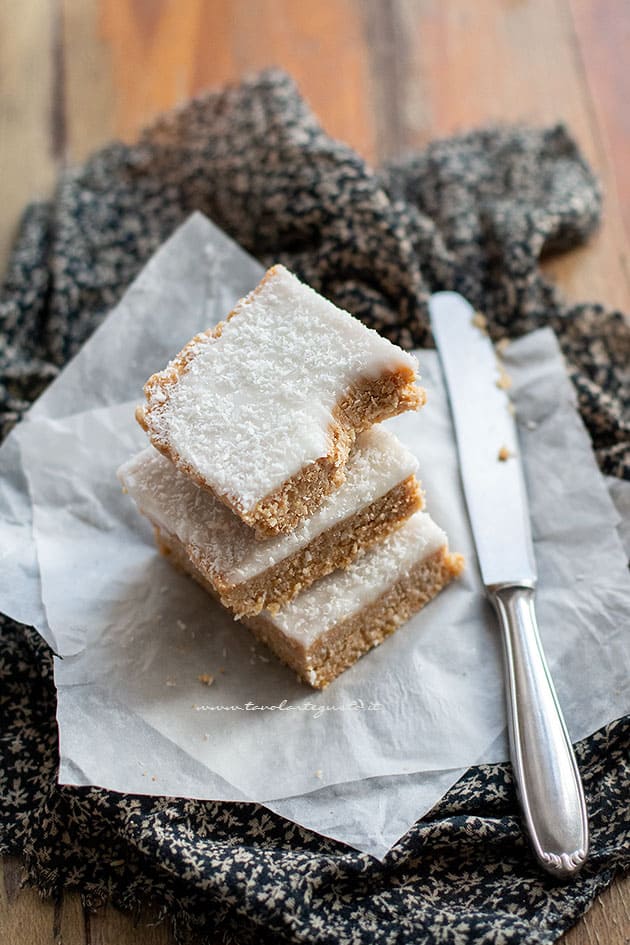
[(545, 770)]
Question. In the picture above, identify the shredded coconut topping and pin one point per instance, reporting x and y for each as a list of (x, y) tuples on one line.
[(254, 405), (220, 543)]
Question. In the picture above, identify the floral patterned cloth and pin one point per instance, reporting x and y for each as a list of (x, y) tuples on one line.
[(473, 213)]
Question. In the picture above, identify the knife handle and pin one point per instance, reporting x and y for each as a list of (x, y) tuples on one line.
[(546, 773)]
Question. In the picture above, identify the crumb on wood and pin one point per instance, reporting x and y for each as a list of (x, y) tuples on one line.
[(181, 625), (171, 682), (206, 679)]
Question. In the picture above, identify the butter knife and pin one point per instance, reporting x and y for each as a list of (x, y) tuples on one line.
[(545, 770)]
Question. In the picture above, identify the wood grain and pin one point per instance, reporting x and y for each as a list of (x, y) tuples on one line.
[(602, 35), (108, 926), (139, 58), (28, 142), (383, 75), (459, 65), (608, 921), (89, 91), (27, 918)]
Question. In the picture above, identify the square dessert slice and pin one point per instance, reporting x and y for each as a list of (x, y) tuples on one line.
[(329, 626), (263, 409), (380, 491)]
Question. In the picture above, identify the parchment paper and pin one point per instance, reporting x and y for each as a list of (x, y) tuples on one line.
[(133, 715)]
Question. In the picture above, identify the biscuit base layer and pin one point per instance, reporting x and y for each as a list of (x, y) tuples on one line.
[(335, 548), (369, 401), (342, 645)]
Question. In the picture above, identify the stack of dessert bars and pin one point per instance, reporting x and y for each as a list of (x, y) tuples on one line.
[(269, 480)]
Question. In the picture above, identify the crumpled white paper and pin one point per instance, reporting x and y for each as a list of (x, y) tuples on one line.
[(135, 635)]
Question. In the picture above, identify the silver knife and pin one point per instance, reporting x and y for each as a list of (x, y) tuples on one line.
[(545, 770)]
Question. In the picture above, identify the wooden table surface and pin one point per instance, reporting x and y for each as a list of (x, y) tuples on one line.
[(385, 76)]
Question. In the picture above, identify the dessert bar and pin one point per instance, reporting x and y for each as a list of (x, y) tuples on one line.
[(380, 491), (262, 410), (338, 619)]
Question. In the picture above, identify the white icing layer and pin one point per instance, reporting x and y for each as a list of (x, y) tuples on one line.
[(220, 543), (344, 593), (254, 406)]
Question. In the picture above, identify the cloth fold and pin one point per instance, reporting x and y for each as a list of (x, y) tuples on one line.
[(473, 213)]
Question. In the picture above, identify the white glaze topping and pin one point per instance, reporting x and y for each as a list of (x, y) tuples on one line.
[(221, 543), (344, 593), (254, 406)]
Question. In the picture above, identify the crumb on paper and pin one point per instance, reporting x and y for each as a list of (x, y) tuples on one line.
[(531, 424), (504, 381), (205, 736), (504, 454), (511, 409), (481, 322), (153, 777), (206, 679), (501, 345), (318, 773)]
